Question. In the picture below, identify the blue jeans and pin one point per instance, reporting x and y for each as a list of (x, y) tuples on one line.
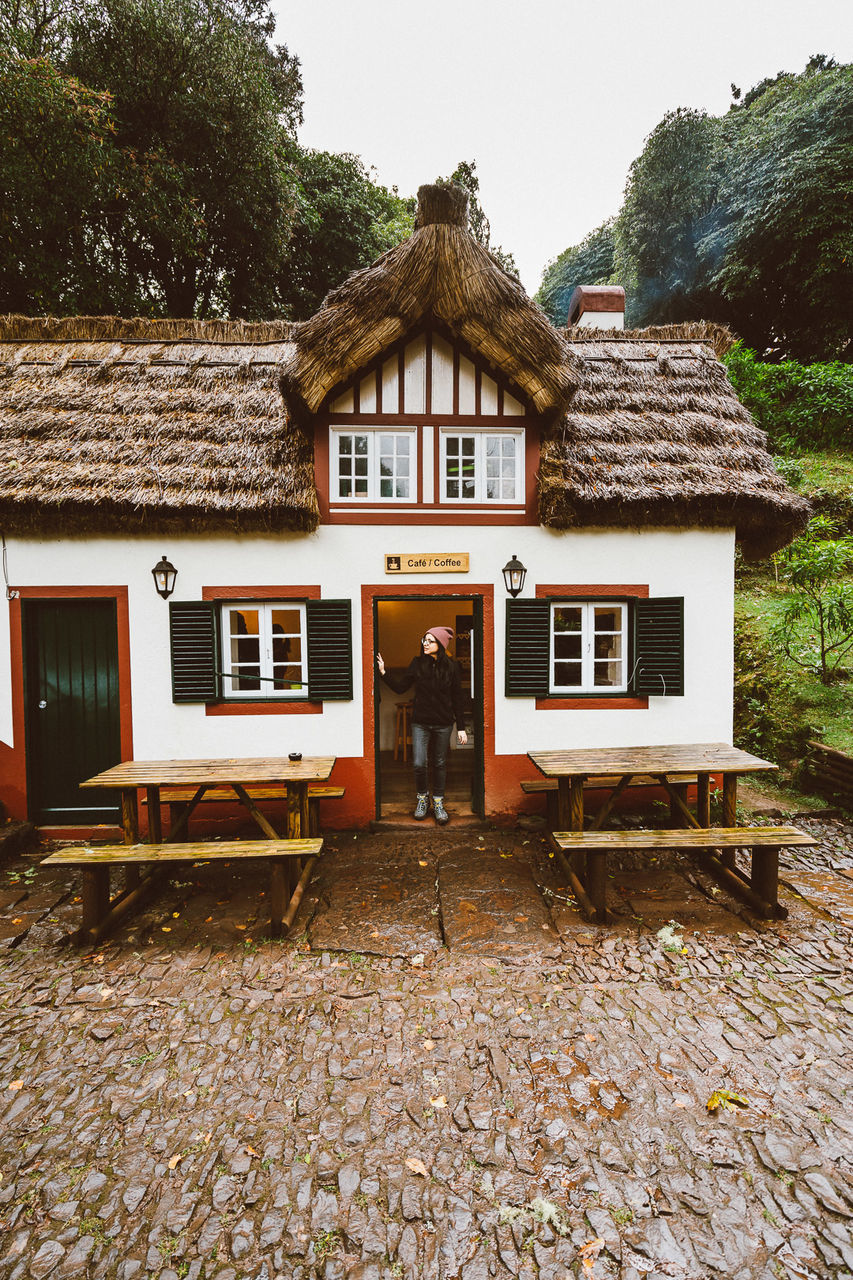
[(436, 737)]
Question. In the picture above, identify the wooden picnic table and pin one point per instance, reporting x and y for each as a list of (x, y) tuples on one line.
[(291, 778), (704, 759), (586, 849)]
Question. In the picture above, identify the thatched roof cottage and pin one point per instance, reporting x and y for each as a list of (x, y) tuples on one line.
[(333, 487)]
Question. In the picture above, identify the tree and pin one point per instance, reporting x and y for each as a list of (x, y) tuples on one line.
[(781, 249), (668, 196), (343, 221), (590, 262), (815, 626), (59, 166), (465, 175)]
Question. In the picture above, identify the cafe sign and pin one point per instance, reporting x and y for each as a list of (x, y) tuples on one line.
[(427, 562)]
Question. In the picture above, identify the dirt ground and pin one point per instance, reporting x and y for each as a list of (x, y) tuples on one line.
[(443, 1072)]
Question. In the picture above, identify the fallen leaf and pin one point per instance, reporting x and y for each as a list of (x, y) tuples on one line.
[(429, 1044), (208, 920), (241, 926), (250, 1151), (726, 1099), (18, 920), (439, 1103), (422, 862), (16, 1084), (176, 1160), (416, 961), (589, 1254), (588, 1036), (417, 1166), (165, 928)]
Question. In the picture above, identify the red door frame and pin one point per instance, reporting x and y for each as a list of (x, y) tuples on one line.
[(13, 758)]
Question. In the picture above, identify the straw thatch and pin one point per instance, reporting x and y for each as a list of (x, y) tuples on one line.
[(655, 436), (140, 435), (439, 274)]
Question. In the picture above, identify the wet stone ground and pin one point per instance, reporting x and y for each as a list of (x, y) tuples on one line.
[(444, 1072)]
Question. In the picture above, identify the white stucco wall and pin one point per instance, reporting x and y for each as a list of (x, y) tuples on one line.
[(696, 564)]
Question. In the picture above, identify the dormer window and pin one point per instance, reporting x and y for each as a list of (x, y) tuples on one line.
[(428, 429)]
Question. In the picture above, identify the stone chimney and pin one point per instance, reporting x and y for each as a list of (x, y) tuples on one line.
[(597, 306)]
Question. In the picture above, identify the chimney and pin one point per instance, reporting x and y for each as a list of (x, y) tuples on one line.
[(597, 306)]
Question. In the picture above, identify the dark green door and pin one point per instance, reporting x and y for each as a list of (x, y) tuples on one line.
[(72, 708)]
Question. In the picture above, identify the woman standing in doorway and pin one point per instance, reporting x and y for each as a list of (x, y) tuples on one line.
[(438, 703)]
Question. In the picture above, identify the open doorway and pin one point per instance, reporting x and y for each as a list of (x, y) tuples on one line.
[(399, 625)]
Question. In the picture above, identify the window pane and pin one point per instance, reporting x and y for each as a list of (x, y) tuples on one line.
[(402, 488), (247, 680), (493, 446), (608, 673), (608, 646), (567, 617), (244, 622), (567, 646), (493, 488), (567, 675), (386, 488), (245, 649), (345, 468), (608, 619), (452, 488), (286, 621), (452, 447), (468, 447), (361, 445), (345, 489), (344, 444), (361, 488), (467, 488)]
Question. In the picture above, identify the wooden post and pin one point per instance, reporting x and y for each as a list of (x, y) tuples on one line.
[(703, 799), (155, 825), (578, 859), (596, 882), (96, 896), (278, 882), (563, 805), (130, 815), (295, 793), (765, 874), (264, 824), (677, 802), (729, 813)]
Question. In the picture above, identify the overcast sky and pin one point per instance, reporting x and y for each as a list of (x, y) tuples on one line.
[(552, 98)]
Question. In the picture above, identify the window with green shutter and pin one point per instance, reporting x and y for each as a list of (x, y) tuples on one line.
[(659, 647), (263, 650)]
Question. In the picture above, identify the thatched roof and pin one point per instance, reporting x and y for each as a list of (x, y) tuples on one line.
[(655, 436), (148, 425), (109, 423), (439, 274)]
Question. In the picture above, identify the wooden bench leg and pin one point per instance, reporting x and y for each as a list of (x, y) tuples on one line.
[(764, 879), (596, 882), (96, 896), (678, 789)]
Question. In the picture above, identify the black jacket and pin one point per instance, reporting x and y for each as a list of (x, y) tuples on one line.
[(436, 701)]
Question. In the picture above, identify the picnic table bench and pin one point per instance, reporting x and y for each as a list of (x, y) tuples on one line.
[(176, 797), (760, 890), (101, 912)]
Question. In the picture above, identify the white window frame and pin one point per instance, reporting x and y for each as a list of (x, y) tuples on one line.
[(373, 457), (265, 614), (587, 658), (481, 436)]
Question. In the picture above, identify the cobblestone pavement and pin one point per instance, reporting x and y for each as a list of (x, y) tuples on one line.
[(445, 1073)]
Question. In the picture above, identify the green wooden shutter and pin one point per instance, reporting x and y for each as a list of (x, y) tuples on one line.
[(329, 650), (192, 633), (528, 624), (659, 647)]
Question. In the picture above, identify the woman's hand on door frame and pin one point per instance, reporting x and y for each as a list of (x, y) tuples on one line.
[(463, 737), (380, 662)]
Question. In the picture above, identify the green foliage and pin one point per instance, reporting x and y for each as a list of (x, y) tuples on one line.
[(669, 195), (58, 170), (343, 221), (762, 695), (815, 625), (465, 175), (746, 218), (590, 262), (800, 406)]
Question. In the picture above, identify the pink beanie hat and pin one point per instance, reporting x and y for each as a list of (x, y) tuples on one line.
[(442, 634)]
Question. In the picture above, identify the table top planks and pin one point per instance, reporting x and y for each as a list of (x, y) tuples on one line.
[(701, 757), (197, 773), (694, 837), (92, 855)]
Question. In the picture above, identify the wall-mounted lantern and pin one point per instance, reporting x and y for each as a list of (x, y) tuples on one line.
[(514, 574), (164, 575)]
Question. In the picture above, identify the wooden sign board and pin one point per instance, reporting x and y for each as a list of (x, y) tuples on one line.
[(427, 562)]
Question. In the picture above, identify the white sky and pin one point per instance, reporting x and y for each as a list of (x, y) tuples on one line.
[(552, 98)]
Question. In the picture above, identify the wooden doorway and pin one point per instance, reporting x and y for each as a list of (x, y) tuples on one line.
[(399, 622)]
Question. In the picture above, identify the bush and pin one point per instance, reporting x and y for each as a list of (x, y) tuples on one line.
[(763, 693), (800, 406)]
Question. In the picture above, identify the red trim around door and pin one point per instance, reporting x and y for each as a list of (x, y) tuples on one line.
[(13, 759)]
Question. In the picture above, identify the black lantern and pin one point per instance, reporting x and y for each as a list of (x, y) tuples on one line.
[(164, 575), (514, 574)]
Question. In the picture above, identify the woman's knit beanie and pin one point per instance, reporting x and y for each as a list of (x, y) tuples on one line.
[(442, 634)]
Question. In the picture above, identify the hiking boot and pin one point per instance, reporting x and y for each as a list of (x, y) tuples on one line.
[(422, 807), (439, 812)]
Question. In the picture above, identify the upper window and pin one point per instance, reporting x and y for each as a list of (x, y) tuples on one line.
[(373, 464), (589, 647), (481, 466), (264, 650)]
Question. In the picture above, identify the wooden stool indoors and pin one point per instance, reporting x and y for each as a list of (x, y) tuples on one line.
[(403, 730)]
